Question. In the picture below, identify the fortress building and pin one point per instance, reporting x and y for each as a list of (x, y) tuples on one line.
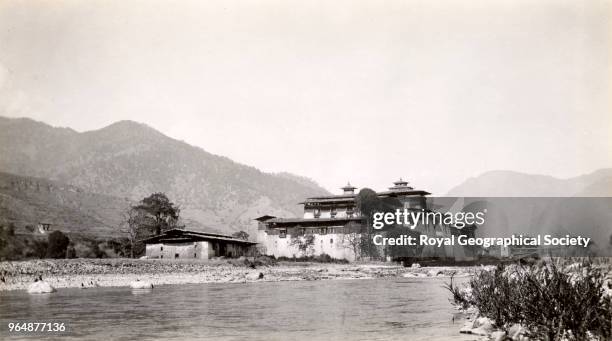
[(333, 222)]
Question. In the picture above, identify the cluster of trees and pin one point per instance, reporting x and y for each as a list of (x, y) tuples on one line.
[(57, 244), (14, 247)]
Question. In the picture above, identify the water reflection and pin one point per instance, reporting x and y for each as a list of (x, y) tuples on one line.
[(141, 291)]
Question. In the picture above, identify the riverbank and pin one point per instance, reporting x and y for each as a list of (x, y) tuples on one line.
[(72, 273)]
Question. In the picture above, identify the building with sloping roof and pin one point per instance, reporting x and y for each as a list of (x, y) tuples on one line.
[(333, 220), (185, 244)]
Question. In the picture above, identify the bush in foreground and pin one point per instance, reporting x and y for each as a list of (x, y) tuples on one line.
[(552, 303)]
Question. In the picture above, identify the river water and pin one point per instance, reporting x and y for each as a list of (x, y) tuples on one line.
[(376, 309)]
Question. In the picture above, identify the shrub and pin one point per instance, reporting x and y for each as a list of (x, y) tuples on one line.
[(322, 258), (39, 249), (58, 243), (552, 303)]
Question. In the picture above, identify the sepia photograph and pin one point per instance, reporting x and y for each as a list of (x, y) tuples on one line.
[(306, 170)]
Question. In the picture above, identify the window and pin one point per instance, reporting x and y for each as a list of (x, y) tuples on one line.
[(331, 240), (161, 248), (162, 256), (330, 230), (282, 233), (176, 255), (317, 212), (195, 255)]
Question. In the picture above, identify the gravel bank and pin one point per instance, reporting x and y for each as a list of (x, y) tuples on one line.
[(66, 273)]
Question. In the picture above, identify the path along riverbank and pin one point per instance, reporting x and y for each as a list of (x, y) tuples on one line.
[(73, 273)]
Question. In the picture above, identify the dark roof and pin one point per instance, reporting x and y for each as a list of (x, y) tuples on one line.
[(406, 191), (305, 222), (345, 198), (339, 199), (340, 196), (181, 236), (265, 217)]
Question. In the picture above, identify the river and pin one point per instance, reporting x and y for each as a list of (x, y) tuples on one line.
[(376, 309)]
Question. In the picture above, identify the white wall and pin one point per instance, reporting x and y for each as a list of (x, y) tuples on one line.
[(189, 250), (331, 244)]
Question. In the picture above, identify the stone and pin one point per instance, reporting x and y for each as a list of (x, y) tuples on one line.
[(40, 287)]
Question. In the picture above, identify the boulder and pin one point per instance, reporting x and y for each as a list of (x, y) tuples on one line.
[(253, 276), (40, 287), (481, 326), (434, 273), (500, 336), (517, 332)]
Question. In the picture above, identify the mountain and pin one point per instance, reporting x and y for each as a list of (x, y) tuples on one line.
[(514, 184), (28, 201), (130, 160)]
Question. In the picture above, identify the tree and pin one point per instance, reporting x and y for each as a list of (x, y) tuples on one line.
[(58, 243), (305, 244), (39, 248), (153, 215), (368, 203), (135, 227), (351, 239), (70, 251), (157, 213), (241, 235)]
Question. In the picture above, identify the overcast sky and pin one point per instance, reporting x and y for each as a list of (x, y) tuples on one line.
[(366, 91)]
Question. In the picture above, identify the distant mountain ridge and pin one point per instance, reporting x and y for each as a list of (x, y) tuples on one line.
[(130, 160), (514, 184)]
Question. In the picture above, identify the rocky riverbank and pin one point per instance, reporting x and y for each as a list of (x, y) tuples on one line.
[(67, 273)]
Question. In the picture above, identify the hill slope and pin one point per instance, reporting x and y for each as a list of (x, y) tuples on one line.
[(29, 201), (514, 184), (131, 160)]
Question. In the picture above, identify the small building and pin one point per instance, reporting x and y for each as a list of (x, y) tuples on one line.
[(185, 244), (44, 227)]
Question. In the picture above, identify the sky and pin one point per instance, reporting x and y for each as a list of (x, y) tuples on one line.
[(434, 92)]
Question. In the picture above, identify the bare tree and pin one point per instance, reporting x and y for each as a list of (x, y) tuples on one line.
[(352, 241), (133, 227)]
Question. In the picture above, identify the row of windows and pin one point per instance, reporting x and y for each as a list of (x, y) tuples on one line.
[(331, 241), (333, 213), (282, 233)]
